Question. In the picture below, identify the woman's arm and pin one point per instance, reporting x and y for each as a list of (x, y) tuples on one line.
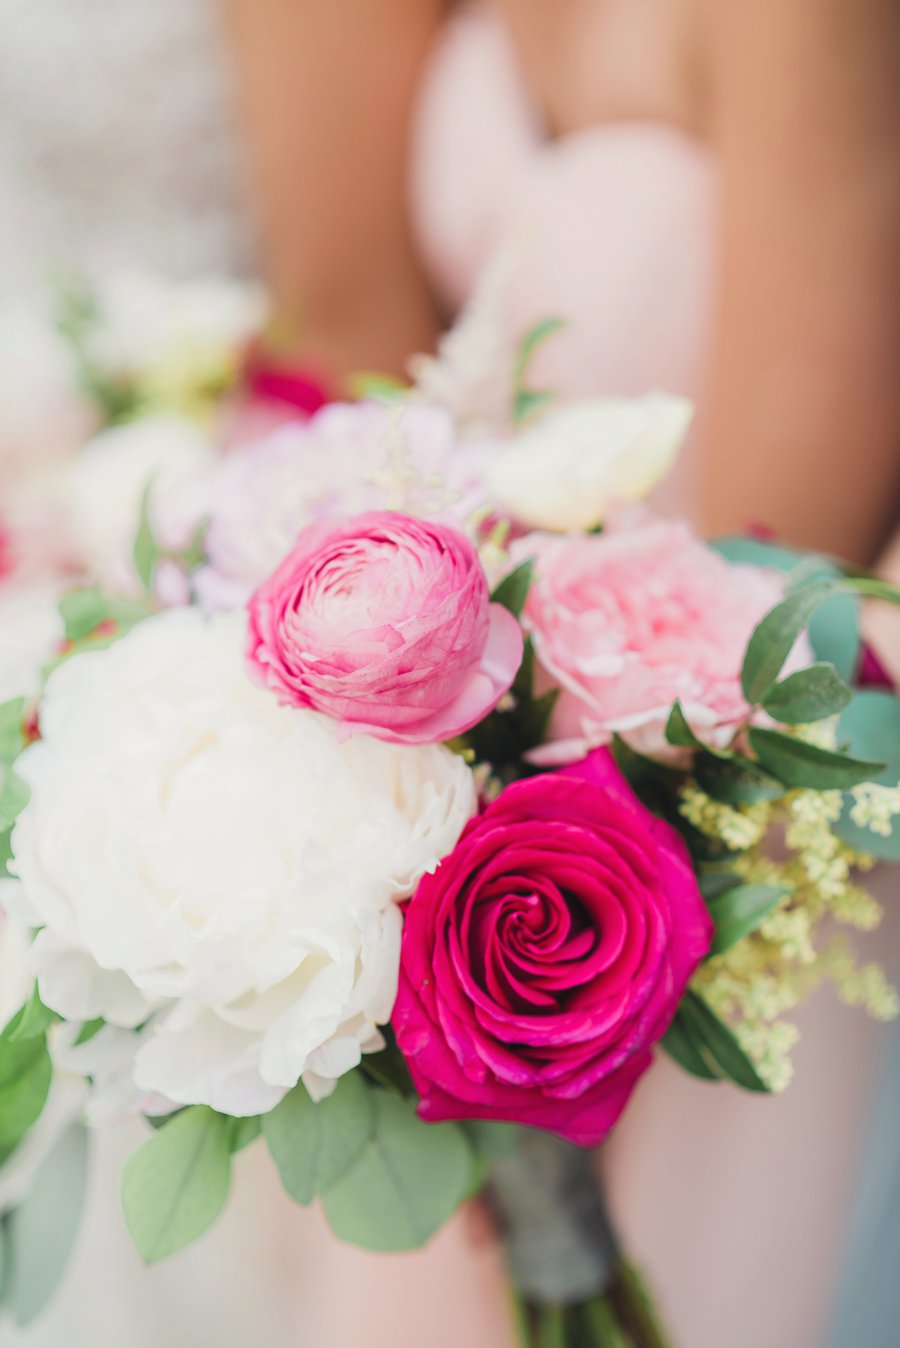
[(801, 425), (325, 90)]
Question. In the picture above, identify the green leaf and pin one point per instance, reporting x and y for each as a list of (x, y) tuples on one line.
[(244, 1132), (25, 1075), (493, 1139), (14, 796), (176, 1184), (808, 695), (774, 636), (799, 764), (146, 552), (735, 780), (88, 1030), (716, 1043), (314, 1144), (43, 1229), (534, 338), (871, 727), (740, 910), (874, 588), (713, 884), (12, 736), (5, 852), (678, 732), (678, 1042), (32, 1021), (371, 386), (408, 1180), (528, 401), (513, 589), (84, 610)]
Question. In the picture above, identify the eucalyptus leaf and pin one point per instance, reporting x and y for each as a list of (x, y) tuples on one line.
[(871, 726), (176, 1184), (513, 589), (808, 695), (740, 910), (44, 1228), (799, 764), (406, 1183), (774, 637), (314, 1143)]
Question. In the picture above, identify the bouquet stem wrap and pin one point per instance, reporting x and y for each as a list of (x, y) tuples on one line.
[(571, 1286)]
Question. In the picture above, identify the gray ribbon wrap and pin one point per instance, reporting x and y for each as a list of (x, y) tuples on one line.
[(549, 1206)]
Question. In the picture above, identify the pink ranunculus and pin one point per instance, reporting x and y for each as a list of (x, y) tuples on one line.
[(384, 622), (628, 621), (547, 954)]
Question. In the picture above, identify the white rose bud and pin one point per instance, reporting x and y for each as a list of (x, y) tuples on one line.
[(565, 472)]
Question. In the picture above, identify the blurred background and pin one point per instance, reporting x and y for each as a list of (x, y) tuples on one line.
[(272, 197)]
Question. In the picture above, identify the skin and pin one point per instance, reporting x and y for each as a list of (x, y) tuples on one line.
[(801, 103)]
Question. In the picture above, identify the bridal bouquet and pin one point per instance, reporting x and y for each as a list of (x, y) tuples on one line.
[(445, 787)]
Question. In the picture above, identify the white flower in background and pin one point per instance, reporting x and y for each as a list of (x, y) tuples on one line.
[(30, 632), (44, 416), (104, 487), (345, 459), (472, 375), (199, 855), (566, 471), (146, 324)]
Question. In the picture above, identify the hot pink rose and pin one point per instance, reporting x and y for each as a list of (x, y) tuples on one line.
[(628, 621), (547, 954), (385, 623)]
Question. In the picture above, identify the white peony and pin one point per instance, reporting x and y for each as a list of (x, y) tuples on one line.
[(228, 867), (105, 484), (566, 471)]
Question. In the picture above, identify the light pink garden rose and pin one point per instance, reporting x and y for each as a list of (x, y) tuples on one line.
[(628, 621), (384, 622)]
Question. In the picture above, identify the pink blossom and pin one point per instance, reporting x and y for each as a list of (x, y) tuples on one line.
[(547, 954), (384, 622)]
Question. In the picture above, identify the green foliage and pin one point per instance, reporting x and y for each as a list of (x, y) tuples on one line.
[(800, 764), (678, 731), (871, 726), (407, 1181), (12, 733), (807, 695), (176, 1184), (703, 1045), (85, 610), (504, 736), (14, 796), (25, 1075), (146, 551), (41, 1232), (32, 1021), (774, 637), (834, 626), (739, 910), (315, 1144), (244, 1132), (513, 589), (735, 780), (527, 401), (88, 1030)]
